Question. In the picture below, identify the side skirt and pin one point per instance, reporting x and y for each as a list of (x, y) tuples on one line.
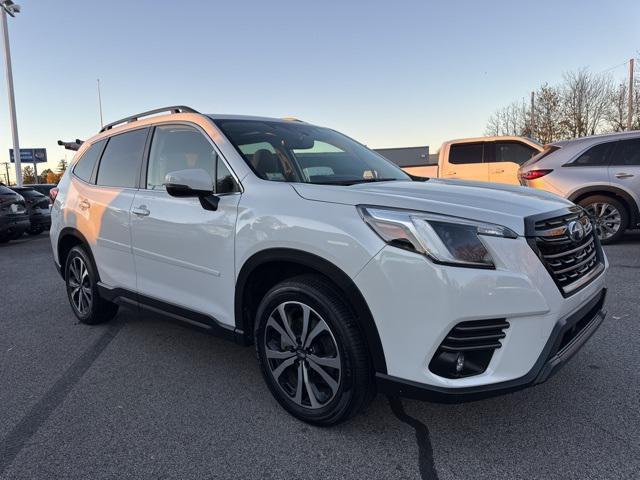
[(184, 315)]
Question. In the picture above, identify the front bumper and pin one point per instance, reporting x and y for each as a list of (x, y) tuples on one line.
[(416, 304), (557, 351)]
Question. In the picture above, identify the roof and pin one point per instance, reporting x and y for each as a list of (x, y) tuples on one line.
[(530, 141), (598, 138), (220, 116)]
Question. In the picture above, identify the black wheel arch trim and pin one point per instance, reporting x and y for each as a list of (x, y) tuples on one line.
[(355, 298), (67, 232), (634, 209)]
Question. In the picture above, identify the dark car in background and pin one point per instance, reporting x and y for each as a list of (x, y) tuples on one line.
[(37, 206), (43, 188), (14, 219)]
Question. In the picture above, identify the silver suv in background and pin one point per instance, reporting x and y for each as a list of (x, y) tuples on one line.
[(601, 173)]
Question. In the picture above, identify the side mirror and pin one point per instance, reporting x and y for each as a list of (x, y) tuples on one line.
[(193, 182)]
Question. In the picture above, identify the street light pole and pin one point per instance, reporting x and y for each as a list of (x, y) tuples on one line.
[(8, 7)]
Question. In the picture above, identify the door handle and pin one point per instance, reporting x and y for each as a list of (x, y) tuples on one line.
[(84, 204), (141, 211), (624, 175), (497, 171)]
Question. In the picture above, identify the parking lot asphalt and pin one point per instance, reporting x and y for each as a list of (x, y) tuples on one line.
[(142, 397)]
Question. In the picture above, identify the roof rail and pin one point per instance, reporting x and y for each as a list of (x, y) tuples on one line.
[(75, 145), (137, 116)]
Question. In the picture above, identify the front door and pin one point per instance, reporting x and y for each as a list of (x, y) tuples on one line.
[(183, 253)]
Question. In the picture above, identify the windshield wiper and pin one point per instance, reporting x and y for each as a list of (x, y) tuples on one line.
[(354, 181)]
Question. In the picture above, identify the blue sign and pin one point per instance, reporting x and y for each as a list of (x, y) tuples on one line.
[(30, 155)]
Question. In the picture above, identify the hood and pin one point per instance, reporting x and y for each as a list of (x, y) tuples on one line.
[(505, 205)]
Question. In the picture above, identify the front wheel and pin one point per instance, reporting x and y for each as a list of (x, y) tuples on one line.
[(82, 289), (311, 352)]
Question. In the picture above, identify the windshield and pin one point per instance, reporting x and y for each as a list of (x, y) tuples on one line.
[(298, 152)]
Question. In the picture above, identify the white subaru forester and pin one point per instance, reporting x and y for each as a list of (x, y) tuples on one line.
[(348, 275)]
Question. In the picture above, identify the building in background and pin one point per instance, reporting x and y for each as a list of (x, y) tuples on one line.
[(409, 156)]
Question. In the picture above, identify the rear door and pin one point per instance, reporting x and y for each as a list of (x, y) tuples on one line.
[(106, 207), (184, 254), (624, 167), (505, 157), (465, 161)]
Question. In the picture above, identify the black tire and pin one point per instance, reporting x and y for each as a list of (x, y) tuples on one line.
[(35, 231), (94, 309), (355, 386), (593, 203), (16, 235), (4, 239)]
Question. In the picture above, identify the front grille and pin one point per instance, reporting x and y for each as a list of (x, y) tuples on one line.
[(468, 347), (572, 259)]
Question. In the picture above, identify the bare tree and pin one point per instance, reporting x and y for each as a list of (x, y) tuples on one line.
[(585, 103), (548, 112), (510, 120)]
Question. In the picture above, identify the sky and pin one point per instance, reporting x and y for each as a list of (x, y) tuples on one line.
[(390, 74)]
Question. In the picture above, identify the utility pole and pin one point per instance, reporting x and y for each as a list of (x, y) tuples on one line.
[(630, 99), (533, 115), (8, 7), (100, 105)]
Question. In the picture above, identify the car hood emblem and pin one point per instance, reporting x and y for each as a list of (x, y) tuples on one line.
[(575, 231)]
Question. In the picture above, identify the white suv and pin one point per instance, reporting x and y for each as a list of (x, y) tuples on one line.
[(348, 275)]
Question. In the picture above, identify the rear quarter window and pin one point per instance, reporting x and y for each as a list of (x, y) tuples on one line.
[(85, 165)]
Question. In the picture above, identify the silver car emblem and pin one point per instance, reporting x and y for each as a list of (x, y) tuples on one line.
[(576, 231)]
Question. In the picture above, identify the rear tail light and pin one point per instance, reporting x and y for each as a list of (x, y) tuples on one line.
[(533, 174), (53, 193)]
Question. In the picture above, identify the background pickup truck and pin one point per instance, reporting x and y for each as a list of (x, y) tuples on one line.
[(487, 159)]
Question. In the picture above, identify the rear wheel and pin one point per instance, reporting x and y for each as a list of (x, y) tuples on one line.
[(311, 351), (82, 289), (609, 215)]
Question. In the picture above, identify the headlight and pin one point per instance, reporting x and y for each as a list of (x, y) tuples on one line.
[(448, 240)]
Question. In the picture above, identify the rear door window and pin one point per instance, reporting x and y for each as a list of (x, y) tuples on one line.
[(595, 156), (84, 167), (627, 153), (120, 163), (465, 153)]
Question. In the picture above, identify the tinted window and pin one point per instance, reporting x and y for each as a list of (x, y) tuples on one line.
[(84, 166), (513, 152), (121, 159), (225, 182), (598, 155), (627, 153), (465, 153), (28, 192)]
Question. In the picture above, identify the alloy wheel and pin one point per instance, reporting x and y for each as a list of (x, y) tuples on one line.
[(79, 286), (606, 217), (302, 355)]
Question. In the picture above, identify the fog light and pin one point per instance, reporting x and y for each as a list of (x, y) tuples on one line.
[(460, 363)]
